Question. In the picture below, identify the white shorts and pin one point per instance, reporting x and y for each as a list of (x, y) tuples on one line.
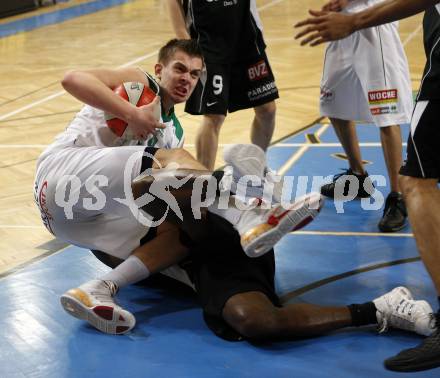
[(366, 78), (80, 192)]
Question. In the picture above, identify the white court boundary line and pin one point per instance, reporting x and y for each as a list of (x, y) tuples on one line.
[(297, 155), (349, 233), (60, 93)]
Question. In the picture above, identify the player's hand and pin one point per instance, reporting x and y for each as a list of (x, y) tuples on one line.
[(146, 120), (324, 26), (334, 5)]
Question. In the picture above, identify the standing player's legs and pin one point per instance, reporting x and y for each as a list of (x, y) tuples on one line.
[(207, 139), (347, 135), (419, 182), (253, 85), (387, 87), (263, 124), (391, 140), (210, 98), (342, 101)]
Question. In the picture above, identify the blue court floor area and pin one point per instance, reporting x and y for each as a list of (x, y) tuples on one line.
[(339, 259)]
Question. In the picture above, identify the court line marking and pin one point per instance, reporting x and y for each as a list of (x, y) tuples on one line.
[(314, 285), (350, 233), (298, 154), (60, 93), (412, 34)]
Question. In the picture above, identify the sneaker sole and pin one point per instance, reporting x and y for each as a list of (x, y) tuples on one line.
[(261, 239), (107, 319), (410, 366), (394, 229)]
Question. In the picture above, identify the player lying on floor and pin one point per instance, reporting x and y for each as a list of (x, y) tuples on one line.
[(83, 184), (236, 292)]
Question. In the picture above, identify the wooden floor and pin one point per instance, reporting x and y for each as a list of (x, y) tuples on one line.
[(33, 107)]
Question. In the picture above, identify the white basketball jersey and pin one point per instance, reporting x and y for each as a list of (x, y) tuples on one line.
[(89, 129)]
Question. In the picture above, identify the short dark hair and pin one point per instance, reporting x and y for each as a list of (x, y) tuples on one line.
[(189, 46)]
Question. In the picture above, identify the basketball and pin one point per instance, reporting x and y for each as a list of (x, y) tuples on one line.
[(137, 94)]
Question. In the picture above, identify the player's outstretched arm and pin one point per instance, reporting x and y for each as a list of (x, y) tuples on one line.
[(326, 26)]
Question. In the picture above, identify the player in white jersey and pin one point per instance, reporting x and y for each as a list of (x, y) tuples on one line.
[(85, 187), (95, 163), (366, 78)]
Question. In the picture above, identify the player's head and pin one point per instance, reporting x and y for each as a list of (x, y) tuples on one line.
[(179, 68)]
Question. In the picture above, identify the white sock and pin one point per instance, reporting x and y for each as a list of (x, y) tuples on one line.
[(128, 272)]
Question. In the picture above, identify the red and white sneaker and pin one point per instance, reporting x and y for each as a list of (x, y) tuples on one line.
[(260, 229), (94, 303)]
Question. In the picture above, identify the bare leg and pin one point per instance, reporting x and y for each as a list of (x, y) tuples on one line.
[(392, 151), (263, 124), (255, 317), (346, 132), (422, 198), (163, 251), (207, 139)]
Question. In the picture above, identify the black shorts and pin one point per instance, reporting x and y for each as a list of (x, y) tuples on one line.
[(220, 269), (423, 157), (231, 87)]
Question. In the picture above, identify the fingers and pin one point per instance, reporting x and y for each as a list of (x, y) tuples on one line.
[(318, 42), (160, 126), (306, 31), (316, 13), (313, 39), (309, 21)]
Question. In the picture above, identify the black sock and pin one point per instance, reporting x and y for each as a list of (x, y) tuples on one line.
[(363, 314)]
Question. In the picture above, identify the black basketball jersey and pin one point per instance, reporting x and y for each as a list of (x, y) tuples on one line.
[(226, 29), (430, 85)]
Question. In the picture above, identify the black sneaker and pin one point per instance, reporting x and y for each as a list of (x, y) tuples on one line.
[(423, 357), (394, 214), (328, 190)]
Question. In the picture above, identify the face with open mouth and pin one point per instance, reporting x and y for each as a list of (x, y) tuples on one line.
[(178, 77)]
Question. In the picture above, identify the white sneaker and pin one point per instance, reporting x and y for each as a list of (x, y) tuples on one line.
[(250, 160), (93, 302), (397, 309), (260, 229), (247, 159)]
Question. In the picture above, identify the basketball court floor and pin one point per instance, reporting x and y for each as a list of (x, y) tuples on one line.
[(338, 259)]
